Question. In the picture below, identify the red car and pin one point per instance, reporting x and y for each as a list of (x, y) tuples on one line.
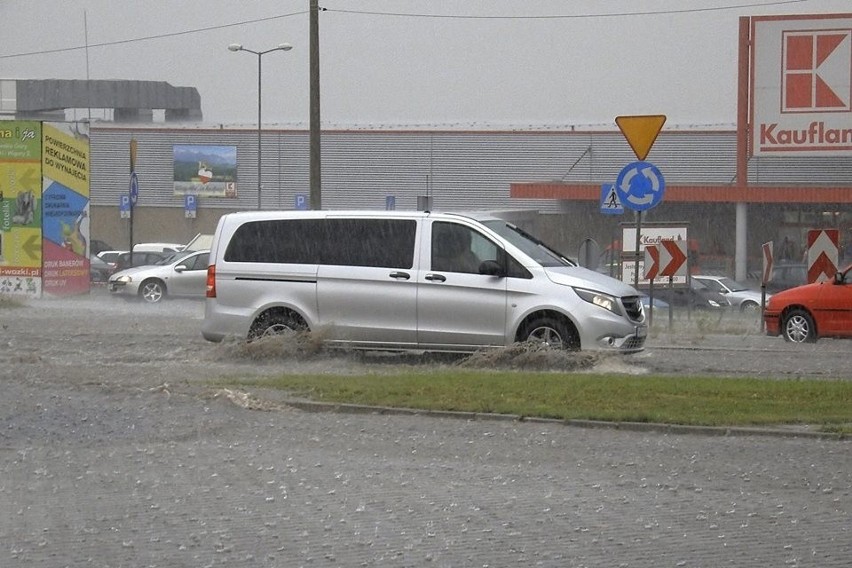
[(805, 313)]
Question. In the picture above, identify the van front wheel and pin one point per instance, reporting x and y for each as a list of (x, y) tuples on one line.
[(276, 323), (553, 332)]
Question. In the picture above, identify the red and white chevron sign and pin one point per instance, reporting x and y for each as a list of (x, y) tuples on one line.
[(668, 258), (673, 258), (822, 254), (652, 262), (768, 261)]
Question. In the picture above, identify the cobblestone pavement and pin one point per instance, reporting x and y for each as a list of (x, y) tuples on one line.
[(115, 453)]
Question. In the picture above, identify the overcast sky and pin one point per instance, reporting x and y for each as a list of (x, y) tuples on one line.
[(391, 63)]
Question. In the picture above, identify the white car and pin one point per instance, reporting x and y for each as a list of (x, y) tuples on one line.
[(740, 296), (183, 274)]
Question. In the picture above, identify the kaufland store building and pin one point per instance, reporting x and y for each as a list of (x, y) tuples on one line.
[(785, 167)]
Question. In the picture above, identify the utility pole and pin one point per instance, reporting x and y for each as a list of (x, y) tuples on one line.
[(315, 167)]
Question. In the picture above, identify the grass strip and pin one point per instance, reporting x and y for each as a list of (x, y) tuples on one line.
[(699, 401)]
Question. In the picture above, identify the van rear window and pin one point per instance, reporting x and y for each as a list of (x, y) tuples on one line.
[(345, 242)]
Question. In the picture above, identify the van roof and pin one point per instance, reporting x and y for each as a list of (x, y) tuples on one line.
[(326, 214)]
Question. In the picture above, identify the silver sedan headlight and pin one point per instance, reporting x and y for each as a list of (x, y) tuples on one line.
[(125, 279), (600, 299)]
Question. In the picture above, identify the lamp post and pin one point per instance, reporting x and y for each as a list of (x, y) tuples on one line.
[(260, 54)]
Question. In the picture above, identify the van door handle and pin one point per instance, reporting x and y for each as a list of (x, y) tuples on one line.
[(436, 277), (400, 275)]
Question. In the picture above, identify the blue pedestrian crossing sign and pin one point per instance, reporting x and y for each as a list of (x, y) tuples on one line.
[(640, 186), (610, 202)]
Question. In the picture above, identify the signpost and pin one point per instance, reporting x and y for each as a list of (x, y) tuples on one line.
[(610, 202), (653, 234), (190, 206), (640, 185), (132, 192), (668, 258), (301, 203), (641, 131), (822, 254), (768, 261)]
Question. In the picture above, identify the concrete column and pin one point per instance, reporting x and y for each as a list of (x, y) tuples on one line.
[(741, 254)]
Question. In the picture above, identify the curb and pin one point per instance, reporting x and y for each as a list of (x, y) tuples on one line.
[(342, 408)]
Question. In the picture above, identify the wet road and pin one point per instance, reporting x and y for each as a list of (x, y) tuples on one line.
[(117, 452)]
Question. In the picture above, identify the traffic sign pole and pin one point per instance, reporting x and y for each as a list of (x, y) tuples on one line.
[(767, 276)]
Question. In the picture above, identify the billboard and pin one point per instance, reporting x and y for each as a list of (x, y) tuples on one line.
[(20, 208), (65, 211), (801, 85), (210, 171)]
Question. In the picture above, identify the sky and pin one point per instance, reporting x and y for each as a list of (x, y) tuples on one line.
[(398, 63)]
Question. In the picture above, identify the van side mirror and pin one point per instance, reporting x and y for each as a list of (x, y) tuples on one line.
[(838, 277), (491, 268)]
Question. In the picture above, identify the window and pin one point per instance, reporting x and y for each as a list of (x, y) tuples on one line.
[(387, 243), (346, 242), (197, 261), (456, 248), (282, 241)]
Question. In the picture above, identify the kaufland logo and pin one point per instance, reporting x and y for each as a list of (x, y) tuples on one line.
[(816, 74), (816, 94)]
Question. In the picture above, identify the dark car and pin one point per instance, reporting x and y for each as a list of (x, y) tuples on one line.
[(99, 270), (96, 246), (697, 296), (122, 261), (786, 275)]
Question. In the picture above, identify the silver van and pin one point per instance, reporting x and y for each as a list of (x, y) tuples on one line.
[(393, 280)]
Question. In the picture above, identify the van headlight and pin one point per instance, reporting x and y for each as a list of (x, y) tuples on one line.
[(599, 299)]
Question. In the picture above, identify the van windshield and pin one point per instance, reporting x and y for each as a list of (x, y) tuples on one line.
[(530, 245)]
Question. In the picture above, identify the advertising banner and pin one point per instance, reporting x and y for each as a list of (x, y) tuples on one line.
[(20, 208), (210, 171), (65, 211)]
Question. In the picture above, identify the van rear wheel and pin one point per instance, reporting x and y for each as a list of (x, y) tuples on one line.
[(553, 332), (276, 323)]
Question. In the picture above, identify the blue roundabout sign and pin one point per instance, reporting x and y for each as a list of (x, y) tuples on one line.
[(640, 186)]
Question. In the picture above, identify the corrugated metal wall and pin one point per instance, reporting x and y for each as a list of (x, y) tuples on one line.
[(460, 170)]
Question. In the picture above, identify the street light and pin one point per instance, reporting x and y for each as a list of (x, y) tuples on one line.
[(260, 54)]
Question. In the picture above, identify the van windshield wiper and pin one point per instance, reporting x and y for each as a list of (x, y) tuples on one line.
[(541, 244)]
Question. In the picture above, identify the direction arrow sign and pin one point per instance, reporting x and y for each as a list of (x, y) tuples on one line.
[(134, 189), (641, 131), (822, 254), (652, 262), (640, 186), (673, 258), (767, 262)]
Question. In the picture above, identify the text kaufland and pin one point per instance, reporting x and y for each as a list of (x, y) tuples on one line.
[(817, 136)]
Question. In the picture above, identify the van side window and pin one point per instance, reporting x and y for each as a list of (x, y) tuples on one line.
[(386, 243), (456, 248), (285, 241), (515, 269)]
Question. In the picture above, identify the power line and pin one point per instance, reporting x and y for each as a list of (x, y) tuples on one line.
[(407, 15), (153, 37), (570, 16)]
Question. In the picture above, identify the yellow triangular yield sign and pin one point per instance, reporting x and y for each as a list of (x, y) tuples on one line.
[(641, 131)]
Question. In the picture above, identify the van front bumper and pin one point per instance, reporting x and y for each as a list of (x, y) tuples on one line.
[(628, 343)]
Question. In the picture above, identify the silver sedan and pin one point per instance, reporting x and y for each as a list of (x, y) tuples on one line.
[(182, 274), (740, 296)]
